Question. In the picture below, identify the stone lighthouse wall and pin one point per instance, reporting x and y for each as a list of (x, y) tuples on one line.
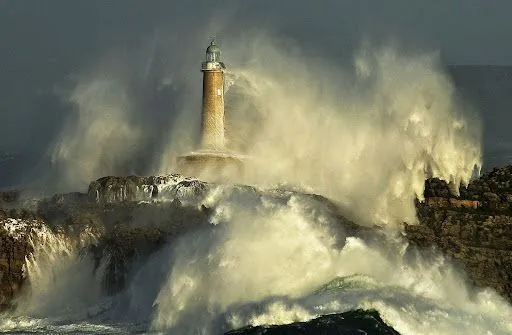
[(212, 127)]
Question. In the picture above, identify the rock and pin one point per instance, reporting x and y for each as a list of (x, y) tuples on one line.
[(474, 229), (118, 228), (14, 247), (352, 322), (491, 197), (481, 243), (459, 203), (135, 188), (120, 225), (9, 196)]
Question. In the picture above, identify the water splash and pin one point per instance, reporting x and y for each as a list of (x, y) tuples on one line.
[(52, 265), (271, 260), (366, 135), (99, 136)]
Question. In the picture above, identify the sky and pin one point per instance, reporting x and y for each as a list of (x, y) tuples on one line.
[(45, 43), (467, 31)]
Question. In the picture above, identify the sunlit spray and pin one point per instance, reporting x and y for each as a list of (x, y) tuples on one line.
[(269, 259), (367, 136)]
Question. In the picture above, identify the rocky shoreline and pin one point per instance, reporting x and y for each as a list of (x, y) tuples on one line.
[(124, 219), (473, 229)]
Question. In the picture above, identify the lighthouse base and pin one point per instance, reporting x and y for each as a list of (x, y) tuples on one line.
[(212, 166)]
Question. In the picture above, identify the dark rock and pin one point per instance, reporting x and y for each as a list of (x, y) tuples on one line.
[(9, 196), (478, 238), (12, 258), (352, 322), (491, 197), (133, 188)]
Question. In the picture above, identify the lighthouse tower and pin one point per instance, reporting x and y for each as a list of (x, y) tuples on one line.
[(212, 122), (212, 161)]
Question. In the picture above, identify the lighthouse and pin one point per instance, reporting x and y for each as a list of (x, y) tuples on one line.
[(212, 121), (212, 161)]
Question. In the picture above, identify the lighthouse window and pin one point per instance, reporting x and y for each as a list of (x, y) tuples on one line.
[(219, 91), (213, 56), (213, 53), (216, 56)]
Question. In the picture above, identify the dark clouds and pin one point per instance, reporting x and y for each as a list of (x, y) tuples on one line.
[(45, 43)]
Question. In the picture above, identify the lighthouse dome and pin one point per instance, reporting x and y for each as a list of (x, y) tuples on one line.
[(213, 53)]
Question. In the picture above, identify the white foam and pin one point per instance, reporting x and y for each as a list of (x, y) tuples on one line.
[(265, 261)]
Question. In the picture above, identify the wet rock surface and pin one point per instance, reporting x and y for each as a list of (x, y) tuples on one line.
[(352, 322), (474, 229), (12, 258), (120, 218)]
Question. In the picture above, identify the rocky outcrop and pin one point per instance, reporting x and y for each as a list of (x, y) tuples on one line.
[(352, 322), (439, 202), (22, 234), (134, 232), (117, 221), (133, 188), (481, 243), (12, 258), (492, 192), (474, 228)]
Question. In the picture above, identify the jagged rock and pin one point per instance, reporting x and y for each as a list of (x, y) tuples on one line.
[(123, 248), (132, 188), (481, 243), (14, 247), (352, 322), (474, 229), (491, 190), (131, 240), (491, 197), (123, 229), (9, 196)]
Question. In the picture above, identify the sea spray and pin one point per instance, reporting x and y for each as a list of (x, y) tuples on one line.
[(366, 135), (53, 264), (270, 259), (99, 135)]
